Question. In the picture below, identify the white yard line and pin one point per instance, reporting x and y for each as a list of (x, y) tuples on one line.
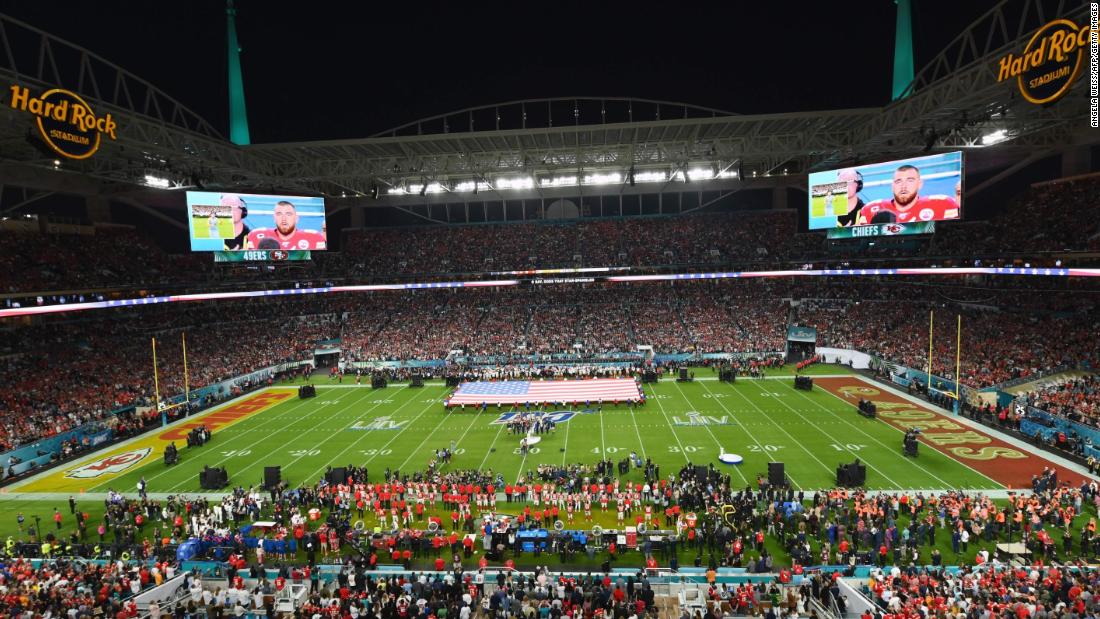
[(365, 434), (565, 449), (489, 449), (519, 473), (254, 462), (833, 438), (671, 427), (603, 444), (777, 426), (412, 453), (721, 448), (473, 420), (637, 432), (945, 483), (402, 431)]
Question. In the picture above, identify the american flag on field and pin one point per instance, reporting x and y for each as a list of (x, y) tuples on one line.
[(534, 391)]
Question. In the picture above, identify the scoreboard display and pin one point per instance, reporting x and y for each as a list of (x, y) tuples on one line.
[(894, 195), (239, 222)]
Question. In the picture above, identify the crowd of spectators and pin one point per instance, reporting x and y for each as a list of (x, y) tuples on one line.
[(1077, 399), (709, 239), (704, 515), (75, 588), (67, 370), (1040, 592), (1057, 216), (60, 375), (998, 344)]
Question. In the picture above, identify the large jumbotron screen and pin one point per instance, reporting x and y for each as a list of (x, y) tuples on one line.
[(242, 221), (919, 189)]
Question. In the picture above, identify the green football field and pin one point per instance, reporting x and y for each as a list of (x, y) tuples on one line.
[(399, 428), (818, 206), (201, 227)]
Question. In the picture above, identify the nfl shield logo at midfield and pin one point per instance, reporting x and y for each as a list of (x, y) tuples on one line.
[(115, 463), (556, 417)]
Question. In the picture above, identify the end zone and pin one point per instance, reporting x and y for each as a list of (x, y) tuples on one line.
[(984, 452), (105, 465)]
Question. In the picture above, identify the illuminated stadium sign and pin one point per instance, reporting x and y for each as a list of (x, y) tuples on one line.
[(65, 120), (262, 255), (1050, 63), (894, 229)]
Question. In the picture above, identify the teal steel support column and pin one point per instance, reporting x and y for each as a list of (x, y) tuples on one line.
[(238, 116), (903, 49)]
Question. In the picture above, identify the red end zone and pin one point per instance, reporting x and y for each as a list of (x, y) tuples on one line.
[(993, 457)]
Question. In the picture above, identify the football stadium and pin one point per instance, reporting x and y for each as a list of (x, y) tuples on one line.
[(299, 321)]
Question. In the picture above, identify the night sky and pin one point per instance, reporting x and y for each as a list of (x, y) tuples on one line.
[(330, 70)]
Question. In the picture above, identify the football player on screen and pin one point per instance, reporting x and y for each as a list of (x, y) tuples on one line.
[(853, 185), (239, 211), (907, 204), (286, 232)]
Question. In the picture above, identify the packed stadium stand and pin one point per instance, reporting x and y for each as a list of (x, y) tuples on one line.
[(567, 358)]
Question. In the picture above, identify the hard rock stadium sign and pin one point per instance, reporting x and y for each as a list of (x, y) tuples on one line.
[(1050, 63), (66, 121)]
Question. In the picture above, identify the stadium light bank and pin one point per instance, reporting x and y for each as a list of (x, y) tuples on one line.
[(551, 182)]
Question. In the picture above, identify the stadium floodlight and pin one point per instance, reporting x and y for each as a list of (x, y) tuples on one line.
[(466, 186), (435, 188), (650, 176), (700, 174), (558, 181), (396, 191), (522, 182), (995, 137), (157, 181), (603, 179), (727, 174)]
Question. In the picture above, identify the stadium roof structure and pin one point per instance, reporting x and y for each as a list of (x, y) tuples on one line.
[(546, 148)]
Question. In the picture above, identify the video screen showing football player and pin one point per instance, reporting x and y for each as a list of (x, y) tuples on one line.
[(854, 184), (239, 211), (908, 205), (286, 234)]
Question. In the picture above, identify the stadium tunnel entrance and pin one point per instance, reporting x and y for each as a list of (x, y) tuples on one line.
[(801, 343)]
